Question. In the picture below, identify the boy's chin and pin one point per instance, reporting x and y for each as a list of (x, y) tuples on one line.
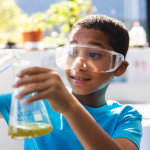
[(82, 92)]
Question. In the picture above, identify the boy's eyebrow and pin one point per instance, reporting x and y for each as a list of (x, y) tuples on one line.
[(91, 43), (96, 44), (74, 41)]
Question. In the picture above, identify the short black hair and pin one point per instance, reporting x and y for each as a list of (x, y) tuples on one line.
[(118, 36)]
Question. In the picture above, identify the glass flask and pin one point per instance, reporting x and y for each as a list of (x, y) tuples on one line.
[(25, 121)]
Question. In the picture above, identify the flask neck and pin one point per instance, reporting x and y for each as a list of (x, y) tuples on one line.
[(8, 60)]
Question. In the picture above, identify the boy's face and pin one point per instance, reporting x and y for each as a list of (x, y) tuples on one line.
[(81, 80)]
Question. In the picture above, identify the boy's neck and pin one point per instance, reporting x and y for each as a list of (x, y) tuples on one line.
[(95, 99)]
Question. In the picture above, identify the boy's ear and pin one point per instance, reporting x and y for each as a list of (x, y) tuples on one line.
[(121, 69)]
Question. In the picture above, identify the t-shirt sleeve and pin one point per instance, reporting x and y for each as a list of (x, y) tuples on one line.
[(5, 102), (129, 125)]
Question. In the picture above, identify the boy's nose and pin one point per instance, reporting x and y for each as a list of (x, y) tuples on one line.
[(79, 64)]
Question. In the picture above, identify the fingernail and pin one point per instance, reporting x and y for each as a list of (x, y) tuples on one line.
[(18, 74), (14, 85), (18, 96), (25, 102)]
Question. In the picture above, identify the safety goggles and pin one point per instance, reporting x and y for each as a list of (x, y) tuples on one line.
[(88, 58)]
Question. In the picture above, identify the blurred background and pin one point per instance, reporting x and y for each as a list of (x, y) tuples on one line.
[(37, 27)]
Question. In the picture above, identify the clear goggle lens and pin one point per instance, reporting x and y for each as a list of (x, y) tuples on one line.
[(88, 58)]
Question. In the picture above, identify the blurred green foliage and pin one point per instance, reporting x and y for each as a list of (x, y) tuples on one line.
[(35, 22), (11, 19), (61, 16), (56, 22)]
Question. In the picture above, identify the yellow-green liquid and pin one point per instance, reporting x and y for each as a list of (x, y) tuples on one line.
[(29, 130)]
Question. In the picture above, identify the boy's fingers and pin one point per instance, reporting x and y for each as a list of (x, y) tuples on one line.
[(33, 70), (33, 88), (38, 96), (32, 79)]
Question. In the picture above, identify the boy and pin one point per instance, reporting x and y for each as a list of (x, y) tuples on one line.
[(93, 57)]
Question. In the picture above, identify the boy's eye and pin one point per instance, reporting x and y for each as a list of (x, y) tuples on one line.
[(94, 55)]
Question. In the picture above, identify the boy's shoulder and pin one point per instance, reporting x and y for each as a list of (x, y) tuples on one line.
[(123, 109), (127, 121)]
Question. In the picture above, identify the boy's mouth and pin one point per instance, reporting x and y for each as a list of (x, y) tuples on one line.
[(80, 79)]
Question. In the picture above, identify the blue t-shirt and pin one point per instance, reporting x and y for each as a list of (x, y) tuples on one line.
[(116, 119)]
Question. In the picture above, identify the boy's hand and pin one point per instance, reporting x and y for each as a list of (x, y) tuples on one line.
[(47, 84)]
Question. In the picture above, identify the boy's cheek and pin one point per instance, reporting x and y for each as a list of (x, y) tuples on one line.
[(67, 72)]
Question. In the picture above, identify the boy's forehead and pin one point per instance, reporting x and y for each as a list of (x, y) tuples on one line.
[(89, 37), (74, 33)]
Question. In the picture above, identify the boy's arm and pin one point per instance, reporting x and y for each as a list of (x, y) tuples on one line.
[(126, 144), (90, 134)]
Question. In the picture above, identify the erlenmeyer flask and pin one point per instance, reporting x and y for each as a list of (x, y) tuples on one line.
[(27, 121)]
